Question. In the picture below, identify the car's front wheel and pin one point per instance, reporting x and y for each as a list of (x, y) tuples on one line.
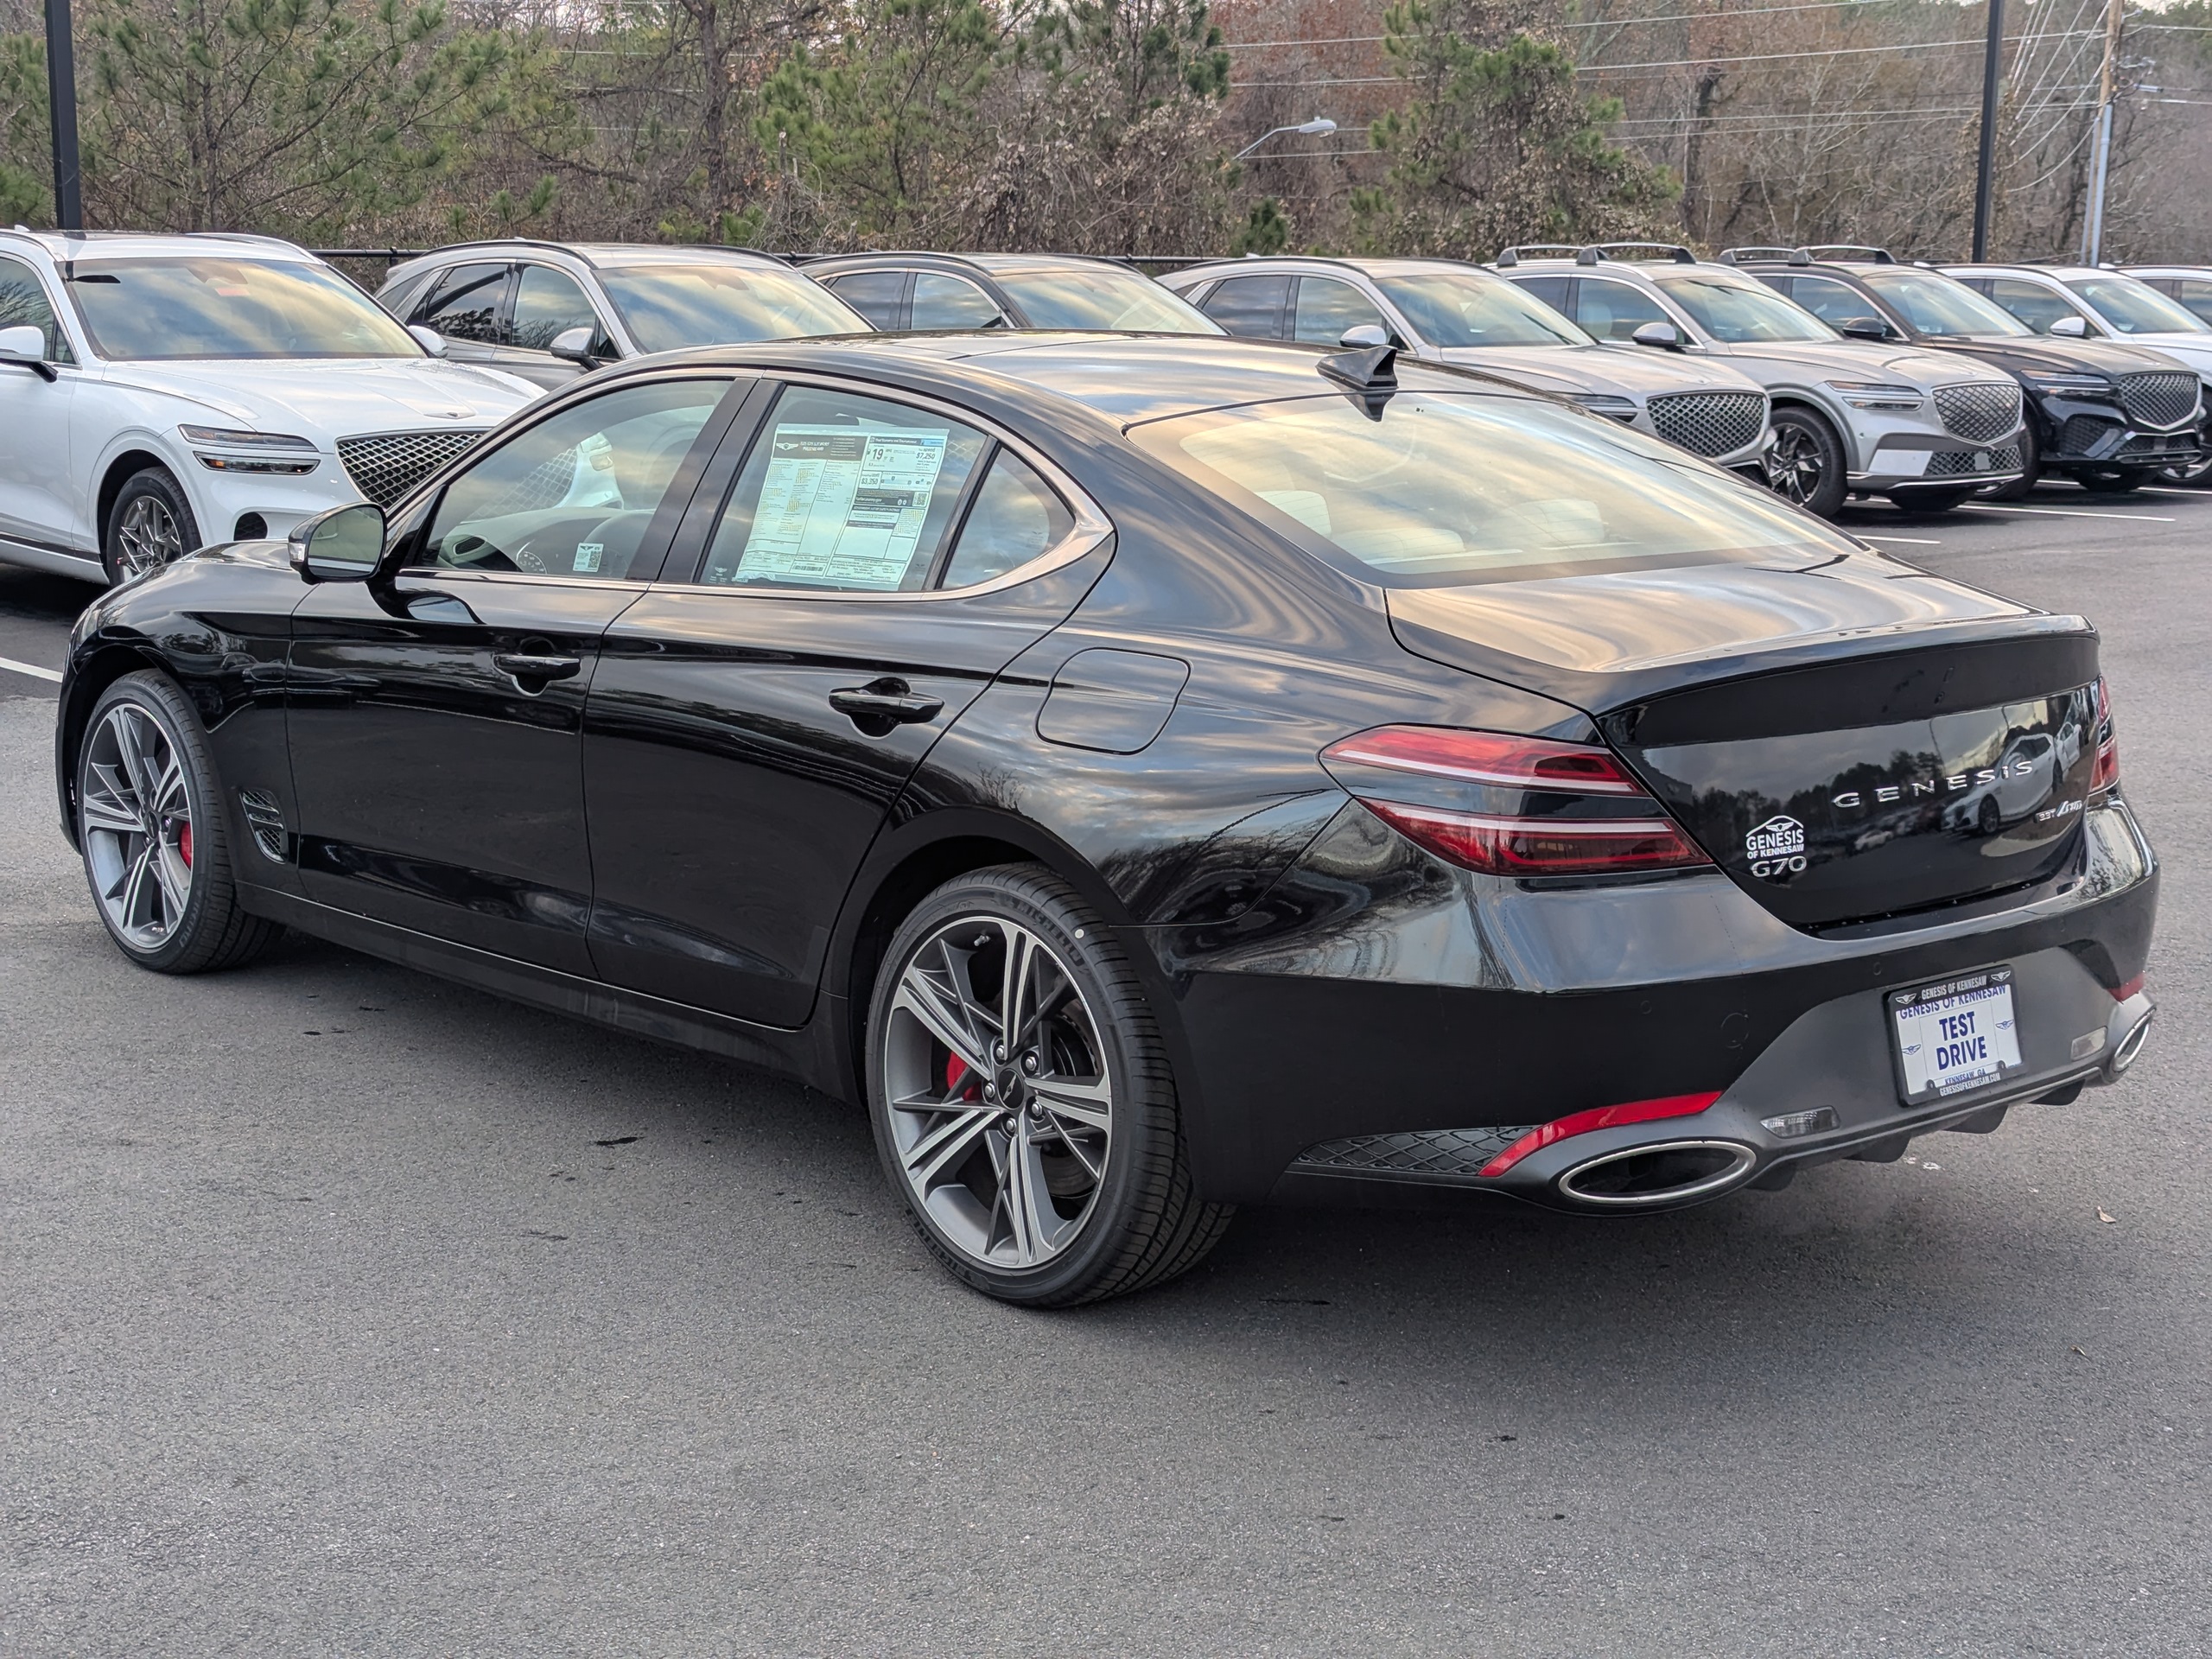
[(1806, 463), (150, 827), (149, 526), (1023, 1102)]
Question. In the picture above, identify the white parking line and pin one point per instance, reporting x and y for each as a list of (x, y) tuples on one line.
[(31, 668), (2160, 489), (2071, 512), (1910, 541)]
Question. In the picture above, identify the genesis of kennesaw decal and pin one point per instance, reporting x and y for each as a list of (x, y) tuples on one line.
[(1777, 848)]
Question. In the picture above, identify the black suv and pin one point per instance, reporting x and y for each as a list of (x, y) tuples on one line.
[(924, 291), (2110, 416)]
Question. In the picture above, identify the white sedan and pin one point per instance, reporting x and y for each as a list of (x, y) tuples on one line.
[(162, 392)]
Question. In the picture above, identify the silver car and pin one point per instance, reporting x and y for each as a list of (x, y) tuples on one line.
[(1445, 311), (1851, 416)]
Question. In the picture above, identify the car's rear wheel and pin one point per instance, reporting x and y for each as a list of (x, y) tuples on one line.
[(1023, 1102), (149, 526), (1806, 463), (150, 830)]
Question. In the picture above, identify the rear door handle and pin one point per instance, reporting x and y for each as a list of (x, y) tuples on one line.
[(878, 706), (545, 670)]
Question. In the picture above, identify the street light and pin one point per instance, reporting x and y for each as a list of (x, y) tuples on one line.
[(1319, 123)]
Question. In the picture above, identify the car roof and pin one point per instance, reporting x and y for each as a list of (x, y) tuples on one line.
[(1127, 378), (2026, 268), (1261, 265), (989, 263), (173, 244), (599, 255)]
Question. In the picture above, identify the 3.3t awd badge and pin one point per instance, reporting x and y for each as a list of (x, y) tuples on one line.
[(1777, 848)]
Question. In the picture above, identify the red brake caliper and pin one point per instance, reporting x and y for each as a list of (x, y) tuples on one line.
[(184, 845), (955, 1070)]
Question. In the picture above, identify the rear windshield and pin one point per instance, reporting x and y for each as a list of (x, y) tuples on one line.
[(669, 308), (1940, 305), (1446, 488), (144, 310), (1469, 308), (1737, 311), (1104, 296)]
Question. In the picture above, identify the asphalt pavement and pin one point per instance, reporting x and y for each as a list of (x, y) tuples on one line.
[(343, 1311)]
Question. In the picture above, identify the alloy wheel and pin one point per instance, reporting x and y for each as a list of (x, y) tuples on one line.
[(1793, 465), (136, 816), (1001, 1103), (146, 537)]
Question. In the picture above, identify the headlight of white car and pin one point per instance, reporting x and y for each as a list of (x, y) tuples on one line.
[(291, 465)]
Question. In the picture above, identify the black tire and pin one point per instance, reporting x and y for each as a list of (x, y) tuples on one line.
[(1133, 1221), (1931, 501), (1806, 465), (2116, 480), (150, 524), (208, 929), (2031, 467)]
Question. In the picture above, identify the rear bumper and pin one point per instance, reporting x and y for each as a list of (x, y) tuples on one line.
[(1385, 1055)]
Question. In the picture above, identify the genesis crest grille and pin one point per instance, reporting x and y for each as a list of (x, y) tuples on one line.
[(1709, 423), (1979, 413), (385, 468), (2158, 399)]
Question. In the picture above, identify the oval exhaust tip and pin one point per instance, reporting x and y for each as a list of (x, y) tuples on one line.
[(2130, 1047), (1666, 1173)]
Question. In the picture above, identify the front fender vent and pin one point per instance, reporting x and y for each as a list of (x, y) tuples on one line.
[(265, 819)]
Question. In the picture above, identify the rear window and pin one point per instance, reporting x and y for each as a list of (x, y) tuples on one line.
[(1440, 489)]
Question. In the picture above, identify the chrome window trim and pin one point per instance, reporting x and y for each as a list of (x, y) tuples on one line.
[(1092, 527)]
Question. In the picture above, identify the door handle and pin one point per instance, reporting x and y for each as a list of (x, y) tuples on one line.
[(524, 665), (878, 706)]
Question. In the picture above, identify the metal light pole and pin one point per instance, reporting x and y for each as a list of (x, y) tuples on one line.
[(61, 108), (1991, 55), (2093, 222)]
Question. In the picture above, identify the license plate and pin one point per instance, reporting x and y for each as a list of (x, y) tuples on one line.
[(1955, 1035)]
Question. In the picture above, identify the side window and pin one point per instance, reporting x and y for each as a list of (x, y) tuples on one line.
[(942, 302), (2031, 302), (1326, 307), (399, 298), (1017, 516), (571, 496), (466, 303), (23, 303), (1835, 303), (2196, 296), (844, 493), (1250, 307), (548, 303), (1549, 290), (876, 294), (1614, 310)]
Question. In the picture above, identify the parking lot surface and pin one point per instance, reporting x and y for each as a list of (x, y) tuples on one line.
[(345, 1311)]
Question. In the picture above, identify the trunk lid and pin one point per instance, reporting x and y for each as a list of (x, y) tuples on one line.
[(1846, 741)]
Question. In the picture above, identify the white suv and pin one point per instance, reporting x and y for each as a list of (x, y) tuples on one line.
[(158, 392)]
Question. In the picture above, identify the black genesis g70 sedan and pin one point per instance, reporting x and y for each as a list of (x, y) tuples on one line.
[(1154, 775)]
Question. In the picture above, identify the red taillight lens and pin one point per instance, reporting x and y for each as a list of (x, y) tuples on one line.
[(2107, 776), (1602, 1117), (1510, 805), (2126, 988)]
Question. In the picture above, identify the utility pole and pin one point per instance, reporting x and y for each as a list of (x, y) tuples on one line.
[(61, 109), (2093, 228), (1991, 55)]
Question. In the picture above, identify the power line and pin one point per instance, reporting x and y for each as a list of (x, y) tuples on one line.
[(1607, 22)]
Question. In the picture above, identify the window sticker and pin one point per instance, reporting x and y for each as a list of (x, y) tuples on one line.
[(842, 506), (587, 558)]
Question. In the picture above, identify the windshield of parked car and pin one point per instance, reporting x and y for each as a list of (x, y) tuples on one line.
[(1466, 308), (2134, 307), (669, 308), (138, 310), (1737, 311), (1100, 297), (1940, 305), (1437, 489)]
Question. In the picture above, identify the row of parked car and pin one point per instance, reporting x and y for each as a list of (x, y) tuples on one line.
[(164, 391)]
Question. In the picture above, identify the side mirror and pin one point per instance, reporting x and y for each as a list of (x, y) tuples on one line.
[(574, 345), (24, 347), (344, 545), (1365, 337), (1863, 328), (1660, 336), (2073, 328), (429, 339)]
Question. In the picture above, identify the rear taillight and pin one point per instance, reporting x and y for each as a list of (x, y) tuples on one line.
[(2107, 776), (1602, 1117), (1510, 805)]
